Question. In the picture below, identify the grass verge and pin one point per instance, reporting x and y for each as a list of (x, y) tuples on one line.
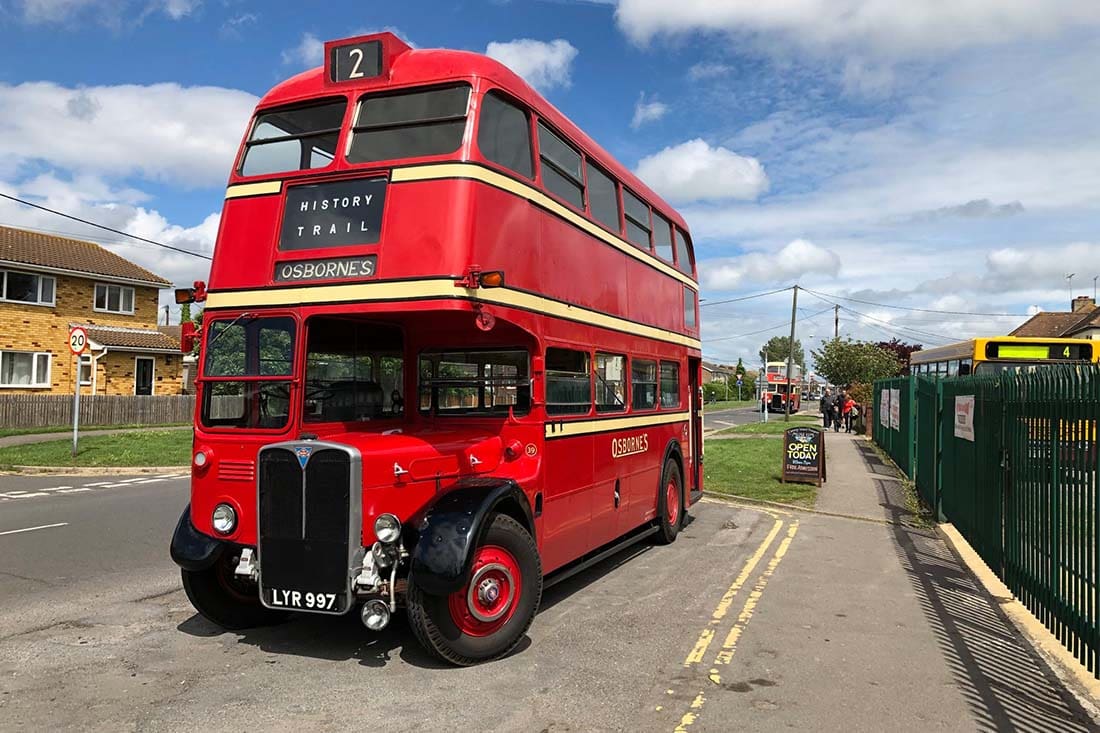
[(774, 426), (751, 468), (144, 448), (728, 405), (7, 432)]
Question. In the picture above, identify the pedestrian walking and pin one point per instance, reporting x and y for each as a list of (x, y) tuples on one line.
[(826, 407), (846, 411), (837, 411)]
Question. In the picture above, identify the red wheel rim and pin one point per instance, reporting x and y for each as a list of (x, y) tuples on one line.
[(489, 600), (672, 501)]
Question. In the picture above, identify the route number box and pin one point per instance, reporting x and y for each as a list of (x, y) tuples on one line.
[(804, 455)]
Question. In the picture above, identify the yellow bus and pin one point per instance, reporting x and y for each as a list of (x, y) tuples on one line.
[(1001, 353)]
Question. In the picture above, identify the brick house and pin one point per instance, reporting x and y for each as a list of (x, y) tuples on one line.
[(1081, 321), (49, 284)]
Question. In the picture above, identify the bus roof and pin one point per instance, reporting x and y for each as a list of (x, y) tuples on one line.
[(417, 67)]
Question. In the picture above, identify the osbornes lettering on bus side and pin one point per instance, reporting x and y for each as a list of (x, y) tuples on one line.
[(339, 268)]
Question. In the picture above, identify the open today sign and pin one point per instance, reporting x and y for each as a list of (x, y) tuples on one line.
[(804, 455)]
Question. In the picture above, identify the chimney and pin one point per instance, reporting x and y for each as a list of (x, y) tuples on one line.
[(1083, 304)]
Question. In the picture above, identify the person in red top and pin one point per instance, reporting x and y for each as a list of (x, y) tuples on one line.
[(847, 409)]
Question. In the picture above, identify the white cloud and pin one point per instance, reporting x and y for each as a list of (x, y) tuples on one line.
[(650, 111), (701, 71), (795, 259), (309, 52), (695, 171), (163, 132), (544, 65), (883, 27), (105, 12)]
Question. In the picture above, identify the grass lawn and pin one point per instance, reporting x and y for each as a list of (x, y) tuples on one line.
[(751, 468), (5, 432), (144, 448), (774, 425), (729, 405)]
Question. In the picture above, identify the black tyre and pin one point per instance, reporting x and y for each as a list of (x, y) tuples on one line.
[(222, 598), (489, 615), (670, 503)]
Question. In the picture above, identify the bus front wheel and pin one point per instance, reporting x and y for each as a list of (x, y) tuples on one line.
[(227, 601), (488, 616), (670, 503)]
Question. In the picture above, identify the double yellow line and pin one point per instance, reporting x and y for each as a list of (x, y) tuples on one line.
[(724, 654)]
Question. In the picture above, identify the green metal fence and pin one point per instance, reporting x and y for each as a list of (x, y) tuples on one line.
[(1012, 461)]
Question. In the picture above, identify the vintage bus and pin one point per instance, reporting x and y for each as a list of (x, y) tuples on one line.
[(449, 355), (775, 388), (1000, 353)]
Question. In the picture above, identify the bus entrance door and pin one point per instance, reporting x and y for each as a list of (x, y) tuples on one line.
[(695, 474)]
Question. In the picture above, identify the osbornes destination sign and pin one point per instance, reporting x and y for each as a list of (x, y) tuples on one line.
[(336, 214), (331, 268)]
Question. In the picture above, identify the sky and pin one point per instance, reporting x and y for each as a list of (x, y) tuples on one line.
[(942, 155)]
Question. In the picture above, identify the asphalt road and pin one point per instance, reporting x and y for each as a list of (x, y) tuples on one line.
[(95, 634)]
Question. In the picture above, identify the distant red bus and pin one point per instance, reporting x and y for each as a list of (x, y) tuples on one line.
[(776, 388), (450, 354)]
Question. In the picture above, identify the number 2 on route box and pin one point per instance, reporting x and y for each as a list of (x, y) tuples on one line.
[(450, 353)]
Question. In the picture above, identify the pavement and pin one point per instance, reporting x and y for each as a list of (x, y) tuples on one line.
[(12, 440), (754, 619)]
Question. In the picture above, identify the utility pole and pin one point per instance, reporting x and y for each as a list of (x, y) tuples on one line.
[(790, 353), (1069, 283), (836, 321)]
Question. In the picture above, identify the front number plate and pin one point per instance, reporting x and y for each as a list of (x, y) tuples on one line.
[(303, 600)]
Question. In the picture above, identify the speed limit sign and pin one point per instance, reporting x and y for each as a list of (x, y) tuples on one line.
[(78, 340)]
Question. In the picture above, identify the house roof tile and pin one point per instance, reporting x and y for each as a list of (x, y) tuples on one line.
[(130, 338), (74, 255)]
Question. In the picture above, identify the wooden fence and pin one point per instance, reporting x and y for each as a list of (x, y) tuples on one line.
[(45, 411)]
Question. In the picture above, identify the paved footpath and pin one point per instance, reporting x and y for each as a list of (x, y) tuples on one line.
[(873, 625), (11, 440)]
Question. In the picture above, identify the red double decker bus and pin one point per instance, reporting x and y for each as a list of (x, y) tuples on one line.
[(450, 354), (776, 388)]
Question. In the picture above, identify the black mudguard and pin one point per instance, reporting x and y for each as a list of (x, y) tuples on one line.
[(191, 549), (452, 526)]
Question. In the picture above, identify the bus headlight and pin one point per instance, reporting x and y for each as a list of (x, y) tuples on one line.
[(387, 528), (224, 519)]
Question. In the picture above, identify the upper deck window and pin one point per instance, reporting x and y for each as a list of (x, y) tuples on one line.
[(637, 220), (561, 168), (504, 134), (603, 199), (409, 124), (683, 253), (662, 237), (293, 139)]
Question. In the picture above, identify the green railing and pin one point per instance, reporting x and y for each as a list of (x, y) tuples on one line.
[(1018, 474)]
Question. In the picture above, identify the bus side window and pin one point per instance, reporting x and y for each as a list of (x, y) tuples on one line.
[(965, 367), (603, 199), (504, 134), (568, 382), (670, 385), (637, 222), (643, 384), (683, 253), (561, 168), (610, 383), (690, 304)]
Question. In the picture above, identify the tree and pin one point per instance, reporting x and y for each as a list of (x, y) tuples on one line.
[(902, 350), (845, 362), (185, 312), (740, 368), (778, 347)]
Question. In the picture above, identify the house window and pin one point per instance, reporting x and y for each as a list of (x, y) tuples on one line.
[(23, 287), (85, 370), (24, 369), (114, 298)]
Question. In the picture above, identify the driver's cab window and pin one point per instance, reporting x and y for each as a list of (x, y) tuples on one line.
[(354, 371)]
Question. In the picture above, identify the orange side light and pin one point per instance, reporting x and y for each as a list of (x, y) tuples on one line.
[(493, 279)]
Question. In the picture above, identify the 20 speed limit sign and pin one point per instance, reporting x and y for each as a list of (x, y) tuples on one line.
[(78, 340)]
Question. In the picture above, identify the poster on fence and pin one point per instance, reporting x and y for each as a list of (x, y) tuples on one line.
[(895, 409), (964, 417), (884, 408)]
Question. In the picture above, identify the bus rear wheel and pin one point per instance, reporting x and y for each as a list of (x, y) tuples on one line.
[(225, 600), (670, 503), (488, 616)]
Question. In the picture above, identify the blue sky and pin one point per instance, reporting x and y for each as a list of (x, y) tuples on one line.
[(942, 156)]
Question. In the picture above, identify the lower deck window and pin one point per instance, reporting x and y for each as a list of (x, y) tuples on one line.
[(670, 384), (643, 384), (568, 382), (475, 382), (610, 383), (354, 371), (249, 363)]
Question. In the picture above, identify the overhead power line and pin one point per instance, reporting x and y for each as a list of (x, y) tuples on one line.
[(785, 324), (104, 227), (744, 297), (907, 331), (918, 310)]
